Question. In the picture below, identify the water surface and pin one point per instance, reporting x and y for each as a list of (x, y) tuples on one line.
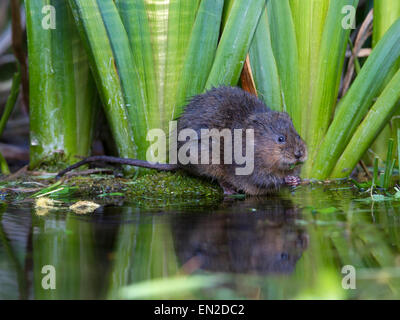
[(290, 246)]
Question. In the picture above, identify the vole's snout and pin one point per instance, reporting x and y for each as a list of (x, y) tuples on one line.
[(298, 154)]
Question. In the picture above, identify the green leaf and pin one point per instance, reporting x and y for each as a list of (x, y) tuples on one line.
[(135, 20), (369, 128), (309, 21), (327, 71), (200, 54), (354, 106), (133, 87), (284, 45), (264, 67), (386, 12), (181, 17), (235, 43), (102, 60), (62, 95)]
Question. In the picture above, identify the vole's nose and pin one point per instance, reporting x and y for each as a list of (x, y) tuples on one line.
[(298, 154)]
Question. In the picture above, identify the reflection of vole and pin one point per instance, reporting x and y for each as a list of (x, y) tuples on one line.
[(254, 237), (277, 146)]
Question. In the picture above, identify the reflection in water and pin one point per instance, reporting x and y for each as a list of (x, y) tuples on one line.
[(259, 244), (15, 263), (256, 236)]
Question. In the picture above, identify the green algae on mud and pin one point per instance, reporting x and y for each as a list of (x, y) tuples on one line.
[(159, 188), (151, 189)]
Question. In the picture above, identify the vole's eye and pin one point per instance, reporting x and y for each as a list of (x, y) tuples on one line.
[(281, 139)]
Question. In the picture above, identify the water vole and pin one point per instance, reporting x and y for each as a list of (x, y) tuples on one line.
[(278, 149)]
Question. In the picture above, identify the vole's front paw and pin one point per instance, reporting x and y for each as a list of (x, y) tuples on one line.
[(292, 181), (228, 189)]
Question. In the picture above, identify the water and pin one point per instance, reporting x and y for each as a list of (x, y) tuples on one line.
[(291, 246)]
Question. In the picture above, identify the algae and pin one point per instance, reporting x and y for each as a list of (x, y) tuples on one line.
[(151, 189)]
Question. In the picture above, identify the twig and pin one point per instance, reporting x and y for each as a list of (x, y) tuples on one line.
[(362, 36), (362, 164), (363, 53)]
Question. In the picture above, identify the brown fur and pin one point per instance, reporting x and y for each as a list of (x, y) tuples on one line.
[(233, 108)]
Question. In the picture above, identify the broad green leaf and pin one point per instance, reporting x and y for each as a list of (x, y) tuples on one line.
[(200, 54), (134, 17), (326, 75), (369, 128), (354, 106), (133, 86), (62, 94), (264, 68), (309, 21), (386, 12), (284, 45), (181, 17), (235, 43), (103, 64)]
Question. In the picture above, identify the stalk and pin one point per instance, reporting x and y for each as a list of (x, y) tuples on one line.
[(133, 87), (324, 89), (286, 53), (62, 92), (264, 67), (102, 60), (370, 127), (158, 14), (182, 14), (200, 54), (45, 129), (309, 21), (226, 11), (353, 107), (386, 12), (135, 20), (235, 42)]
